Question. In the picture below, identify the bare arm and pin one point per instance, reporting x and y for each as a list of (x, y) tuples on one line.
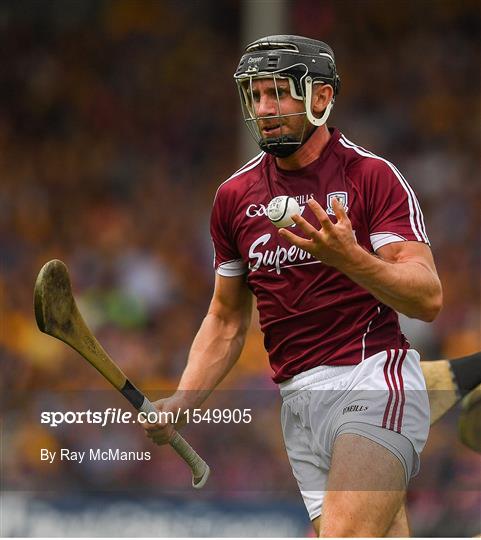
[(403, 276), (219, 341), (214, 351)]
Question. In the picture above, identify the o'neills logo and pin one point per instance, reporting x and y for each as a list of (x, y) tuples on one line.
[(354, 408), (278, 258)]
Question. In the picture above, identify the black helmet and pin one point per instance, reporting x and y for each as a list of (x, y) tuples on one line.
[(304, 62)]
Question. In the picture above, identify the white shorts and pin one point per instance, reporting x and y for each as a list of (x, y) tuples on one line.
[(383, 398)]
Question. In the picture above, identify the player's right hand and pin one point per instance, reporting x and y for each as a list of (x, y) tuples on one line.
[(161, 432)]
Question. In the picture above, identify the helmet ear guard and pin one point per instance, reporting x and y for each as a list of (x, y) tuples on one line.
[(310, 116)]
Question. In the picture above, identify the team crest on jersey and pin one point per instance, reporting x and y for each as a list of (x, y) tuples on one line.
[(341, 196)]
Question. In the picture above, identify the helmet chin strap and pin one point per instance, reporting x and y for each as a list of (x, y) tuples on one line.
[(280, 146), (283, 146)]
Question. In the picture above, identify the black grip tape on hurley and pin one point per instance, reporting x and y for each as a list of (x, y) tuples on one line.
[(133, 394), (467, 372)]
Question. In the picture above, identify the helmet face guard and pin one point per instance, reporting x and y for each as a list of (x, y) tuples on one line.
[(302, 62), (284, 144)]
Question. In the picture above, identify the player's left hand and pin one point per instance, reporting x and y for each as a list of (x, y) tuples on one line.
[(334, 243)]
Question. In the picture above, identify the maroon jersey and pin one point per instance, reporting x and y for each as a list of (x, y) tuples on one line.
[(310, 313)]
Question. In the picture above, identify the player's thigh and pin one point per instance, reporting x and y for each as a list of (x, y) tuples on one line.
[(365, 490)]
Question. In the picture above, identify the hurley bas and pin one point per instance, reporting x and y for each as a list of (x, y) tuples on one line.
[(65, 454)]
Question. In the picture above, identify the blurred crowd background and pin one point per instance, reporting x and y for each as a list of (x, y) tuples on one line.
[(118, 120)]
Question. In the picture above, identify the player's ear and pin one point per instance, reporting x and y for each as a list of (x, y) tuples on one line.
[(322, 95)]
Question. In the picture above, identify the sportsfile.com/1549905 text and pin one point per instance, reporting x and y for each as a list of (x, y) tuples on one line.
[(117, 416)]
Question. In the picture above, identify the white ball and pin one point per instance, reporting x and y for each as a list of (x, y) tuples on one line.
[(280, 210)]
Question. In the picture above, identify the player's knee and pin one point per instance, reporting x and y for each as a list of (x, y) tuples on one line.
[(339, 524), (344, 525)]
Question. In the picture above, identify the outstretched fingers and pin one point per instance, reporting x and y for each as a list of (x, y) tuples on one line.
[(320, 214), (339, 209), (298, 241), (309, 230), (315, 238)]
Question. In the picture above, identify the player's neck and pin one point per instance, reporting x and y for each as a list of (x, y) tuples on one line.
[(308, 152)]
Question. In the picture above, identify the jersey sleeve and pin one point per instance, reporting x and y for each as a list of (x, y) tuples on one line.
[(394, 212), (227, 259)]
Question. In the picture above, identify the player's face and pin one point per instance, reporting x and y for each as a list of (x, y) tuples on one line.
[(277, 112)]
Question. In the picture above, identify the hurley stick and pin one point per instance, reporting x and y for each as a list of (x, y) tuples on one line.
[(57, 315)]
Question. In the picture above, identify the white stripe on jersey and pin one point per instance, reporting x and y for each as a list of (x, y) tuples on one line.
[(415, 214), (248, 163), (246, 167), (419, 215), (381, 239), (366, 333), (232, 268)]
